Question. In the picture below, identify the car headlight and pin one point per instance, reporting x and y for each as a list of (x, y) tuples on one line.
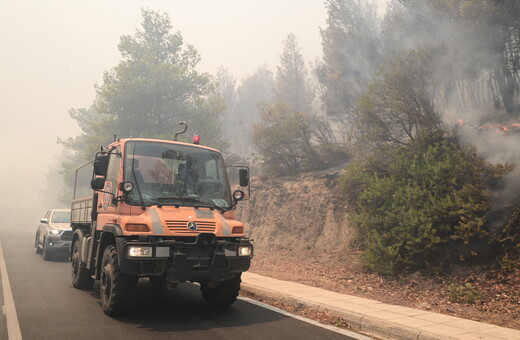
[(139, 251), (244, 251), (54, 231)]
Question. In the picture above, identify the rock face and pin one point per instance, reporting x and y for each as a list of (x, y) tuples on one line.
[(305, 212)]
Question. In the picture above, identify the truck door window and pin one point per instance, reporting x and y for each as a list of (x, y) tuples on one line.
[(113, 169)]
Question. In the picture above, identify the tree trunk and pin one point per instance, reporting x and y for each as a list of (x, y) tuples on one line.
[(506, 86)]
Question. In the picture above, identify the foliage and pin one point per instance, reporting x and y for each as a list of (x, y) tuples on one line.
[(226, 89), (351, 50), (289, 138), (244, 111), (399, 101), (153, 88), (424, 208), (498, 22), (465, 294), (509, 238), (292, 83), (290, 142), (475, 43), (156, 84), (508, 264)]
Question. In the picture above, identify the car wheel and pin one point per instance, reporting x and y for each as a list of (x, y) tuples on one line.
[(116, 289), (46, 253), (81, 277), (36, 244)]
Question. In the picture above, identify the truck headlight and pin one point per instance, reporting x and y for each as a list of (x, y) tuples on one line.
[(139, 251), (54, 231), (244, 251)]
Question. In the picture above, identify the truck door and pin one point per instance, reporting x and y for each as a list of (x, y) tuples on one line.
[(106, 205)]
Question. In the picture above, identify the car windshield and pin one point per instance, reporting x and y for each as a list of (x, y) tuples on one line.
[(173, 174), (60, 217)]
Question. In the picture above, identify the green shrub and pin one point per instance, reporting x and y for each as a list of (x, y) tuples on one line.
[(424, 207), (463, 294)]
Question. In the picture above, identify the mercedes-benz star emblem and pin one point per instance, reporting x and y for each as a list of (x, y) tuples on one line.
[(192, 226)]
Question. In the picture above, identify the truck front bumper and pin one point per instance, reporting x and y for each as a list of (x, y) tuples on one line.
[(207, 259)]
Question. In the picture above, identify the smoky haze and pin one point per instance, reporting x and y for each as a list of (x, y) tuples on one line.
[(53, 52)]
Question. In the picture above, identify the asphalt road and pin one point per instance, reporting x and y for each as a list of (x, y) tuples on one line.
[(48, 307)]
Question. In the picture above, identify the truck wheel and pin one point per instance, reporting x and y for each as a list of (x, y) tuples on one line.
[(36, 245), (116, 289), (224, 294), (81, 277), (46, 253)]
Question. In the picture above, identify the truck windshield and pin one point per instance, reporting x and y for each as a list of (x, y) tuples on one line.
[(173, 174)]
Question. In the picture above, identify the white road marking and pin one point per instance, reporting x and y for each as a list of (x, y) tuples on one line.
[(13, 327), (301, 318)]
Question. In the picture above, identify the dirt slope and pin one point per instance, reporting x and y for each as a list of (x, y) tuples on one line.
[(303, 213)]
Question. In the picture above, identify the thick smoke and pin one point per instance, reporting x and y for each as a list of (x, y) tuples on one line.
[(466, 88), (497, 145)]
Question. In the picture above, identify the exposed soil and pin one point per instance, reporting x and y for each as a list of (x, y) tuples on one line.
[(301, 234), (498, 300)]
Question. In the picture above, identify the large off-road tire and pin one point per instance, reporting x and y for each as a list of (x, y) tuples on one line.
[(46, 253), (116, 289), (224, 294), (81, 277), (36, 245)]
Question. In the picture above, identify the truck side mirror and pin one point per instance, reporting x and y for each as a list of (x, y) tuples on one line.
[(243, 176), (97, 183), (101, 165)]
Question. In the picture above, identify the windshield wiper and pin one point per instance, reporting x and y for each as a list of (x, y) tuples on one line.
[(188, 199), (181, 198)]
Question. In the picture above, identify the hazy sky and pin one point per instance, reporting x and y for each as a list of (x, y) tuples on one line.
[(54, 51)]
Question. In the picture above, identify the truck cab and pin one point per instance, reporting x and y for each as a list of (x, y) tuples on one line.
[(162, 210)]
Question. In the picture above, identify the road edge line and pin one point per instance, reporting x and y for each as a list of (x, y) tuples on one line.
[(13, 326), (346, 332)]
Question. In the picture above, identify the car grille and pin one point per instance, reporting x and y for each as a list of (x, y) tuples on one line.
[(66, 235), (180, 227)]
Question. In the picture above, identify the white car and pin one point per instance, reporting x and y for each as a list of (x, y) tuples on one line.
[(54, 233)]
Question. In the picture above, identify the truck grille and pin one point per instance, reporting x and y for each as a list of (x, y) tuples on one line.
[(66, 235), (180, 227)]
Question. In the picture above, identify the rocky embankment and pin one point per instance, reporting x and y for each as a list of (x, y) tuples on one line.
[(306, 212)]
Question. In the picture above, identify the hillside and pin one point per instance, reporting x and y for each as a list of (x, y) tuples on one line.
[(301, 233)]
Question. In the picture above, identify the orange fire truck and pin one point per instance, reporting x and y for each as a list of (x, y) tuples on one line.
[(161, 210)]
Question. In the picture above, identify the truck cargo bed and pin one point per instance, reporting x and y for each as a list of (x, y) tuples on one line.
[(82, 210)]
